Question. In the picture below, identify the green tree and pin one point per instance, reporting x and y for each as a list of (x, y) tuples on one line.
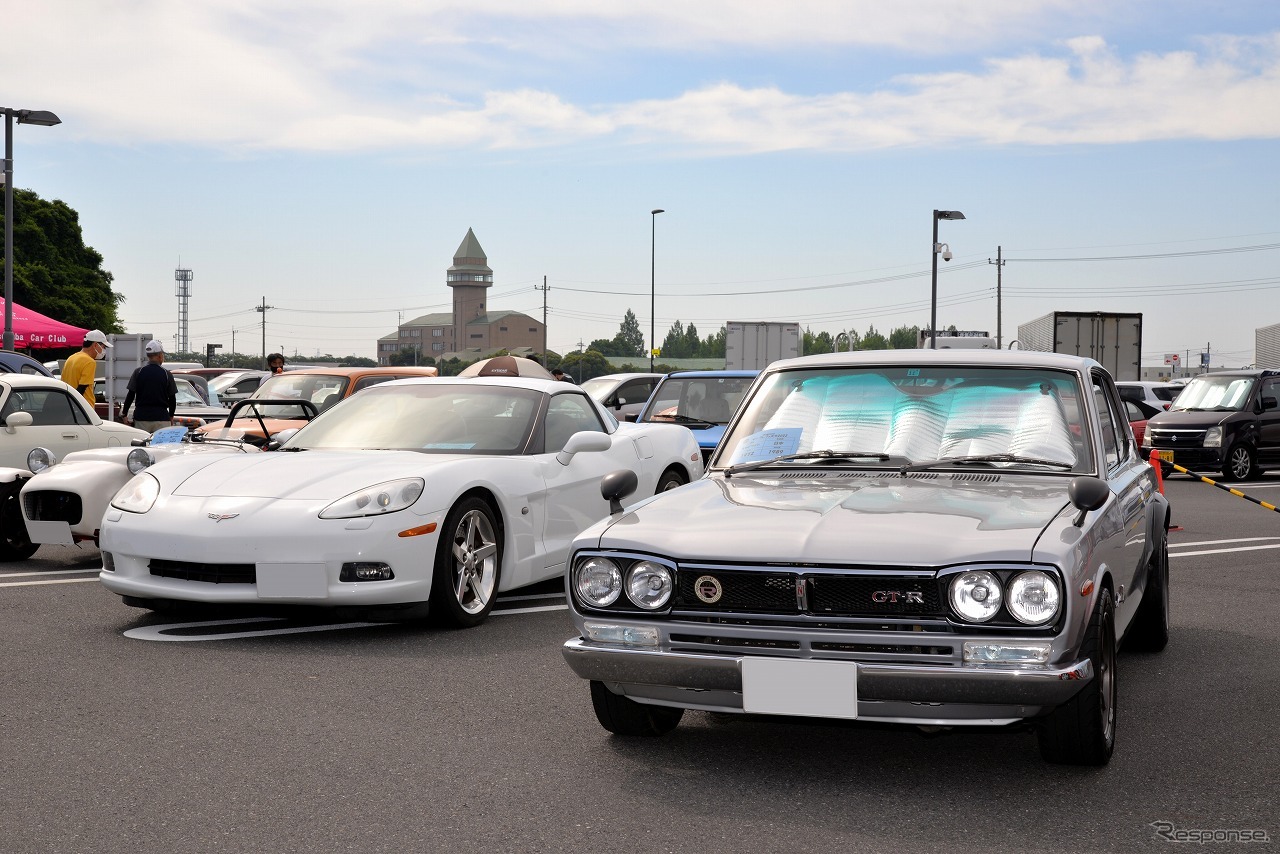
[(629, 340), (712, 346), (586, 365), (608, 347), (904, 337), (873, 340), (54, 273), (676, 345), (819, 343)]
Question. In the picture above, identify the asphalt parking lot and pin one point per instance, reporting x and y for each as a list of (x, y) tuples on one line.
[(128, 731)]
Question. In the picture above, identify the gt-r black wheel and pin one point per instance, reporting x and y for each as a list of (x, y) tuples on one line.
[(1240, 463), (1082, 731), (670, 479), (1149, 631), (468, 564), (15, 543), (623, 716)]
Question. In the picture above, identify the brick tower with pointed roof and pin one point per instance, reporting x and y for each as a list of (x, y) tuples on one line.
[(470, 276)]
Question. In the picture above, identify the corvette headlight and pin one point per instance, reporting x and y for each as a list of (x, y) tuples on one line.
[(598, 582), (976, 596), (40, 459), (138, 495), (376, 500), (1213, 437), (138, 460), (649, 585), (1033, 598)]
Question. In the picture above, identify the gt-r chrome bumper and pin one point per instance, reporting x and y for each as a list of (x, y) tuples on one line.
[(651, 673)]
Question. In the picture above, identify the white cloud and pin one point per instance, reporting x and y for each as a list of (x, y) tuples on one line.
[(329, 75)]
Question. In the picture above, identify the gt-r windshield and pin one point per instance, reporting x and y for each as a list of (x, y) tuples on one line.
[(924, 417), (434, 418)]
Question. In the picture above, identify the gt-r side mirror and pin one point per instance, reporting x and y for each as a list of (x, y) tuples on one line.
[(17, 419), (617, 485), (1087, 493), (586, 441)]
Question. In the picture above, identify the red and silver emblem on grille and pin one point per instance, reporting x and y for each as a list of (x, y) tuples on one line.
[(708, 589)]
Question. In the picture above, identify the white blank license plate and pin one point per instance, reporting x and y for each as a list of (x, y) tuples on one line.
[(787, 686), (292, 581)]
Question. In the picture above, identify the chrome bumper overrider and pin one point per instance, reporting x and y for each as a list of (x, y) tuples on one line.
[(966, 684)]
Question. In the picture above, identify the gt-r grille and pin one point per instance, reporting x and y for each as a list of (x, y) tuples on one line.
[(770, 590), (210, 573), (52, 506)]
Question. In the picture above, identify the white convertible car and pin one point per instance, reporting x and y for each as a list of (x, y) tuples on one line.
[(438, 492)]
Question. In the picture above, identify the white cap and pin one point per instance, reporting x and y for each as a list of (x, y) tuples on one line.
[(95, 336), (154, 346)]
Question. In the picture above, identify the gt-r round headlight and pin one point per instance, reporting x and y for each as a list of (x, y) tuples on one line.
[(598, 582), (649, 585), (138, 495), (40, 459), (376, 500), (1033, 598), (976, 596), (139, 459)]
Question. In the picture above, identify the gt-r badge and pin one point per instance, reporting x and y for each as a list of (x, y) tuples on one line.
[(218, 517), (708, 589)]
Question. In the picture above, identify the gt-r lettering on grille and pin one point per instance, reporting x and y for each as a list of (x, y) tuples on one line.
[(894, 596)]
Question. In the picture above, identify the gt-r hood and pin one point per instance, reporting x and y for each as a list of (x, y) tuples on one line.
[(308, 475), (866, 517)]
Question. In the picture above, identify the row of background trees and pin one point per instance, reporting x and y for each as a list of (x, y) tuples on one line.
[(56, 274)]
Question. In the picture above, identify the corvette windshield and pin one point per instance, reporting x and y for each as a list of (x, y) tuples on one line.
[(435, 418), (1009, 417)]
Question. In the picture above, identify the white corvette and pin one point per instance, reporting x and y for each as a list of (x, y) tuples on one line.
[(440, 491)]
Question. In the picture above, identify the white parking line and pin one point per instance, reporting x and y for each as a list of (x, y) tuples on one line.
[(1224, 551), (1221, 542), (50, 581)]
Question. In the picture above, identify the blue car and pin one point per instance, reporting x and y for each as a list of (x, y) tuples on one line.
[(703, 401)]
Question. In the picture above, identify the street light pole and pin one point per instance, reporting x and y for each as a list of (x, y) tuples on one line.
[(653, 278), (24, 117), (933, 299)]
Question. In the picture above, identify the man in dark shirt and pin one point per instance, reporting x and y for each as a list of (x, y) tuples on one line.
[(155, 390)]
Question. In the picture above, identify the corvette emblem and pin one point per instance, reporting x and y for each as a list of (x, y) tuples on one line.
[(708, 589), (218, 517)]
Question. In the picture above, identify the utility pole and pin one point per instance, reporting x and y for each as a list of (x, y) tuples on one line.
[(264, 308), (999, 262), (544, 290), (580, 352)]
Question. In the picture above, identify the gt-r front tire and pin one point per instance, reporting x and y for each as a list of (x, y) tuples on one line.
[(468, 565), (1082, 731), (624, 716)]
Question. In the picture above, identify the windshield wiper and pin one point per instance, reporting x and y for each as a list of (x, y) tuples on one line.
[(808, 455), (683, 419), (987, 458)]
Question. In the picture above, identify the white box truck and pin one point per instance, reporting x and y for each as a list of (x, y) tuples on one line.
[(1112, 338), (752, 346)]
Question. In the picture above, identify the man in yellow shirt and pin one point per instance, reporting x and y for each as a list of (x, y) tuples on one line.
[(79, 371)]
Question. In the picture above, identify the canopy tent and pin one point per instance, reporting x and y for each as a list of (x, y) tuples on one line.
[(33, 330)]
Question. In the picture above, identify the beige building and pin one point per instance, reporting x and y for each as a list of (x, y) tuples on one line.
[(472, 329)]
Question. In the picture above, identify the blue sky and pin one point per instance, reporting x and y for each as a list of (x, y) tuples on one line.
[(330, 156)]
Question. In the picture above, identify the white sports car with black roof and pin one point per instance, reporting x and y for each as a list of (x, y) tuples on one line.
[(441, 491)]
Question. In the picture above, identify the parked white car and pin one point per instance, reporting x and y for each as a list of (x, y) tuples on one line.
[(439, 491), (1159, 395), (38, 411), (623, 394)]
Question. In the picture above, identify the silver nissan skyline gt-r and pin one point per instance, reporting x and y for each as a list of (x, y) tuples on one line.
[(933, 538)]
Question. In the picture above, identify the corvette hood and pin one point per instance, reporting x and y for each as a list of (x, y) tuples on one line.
[(309, 475), (861, 518)]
